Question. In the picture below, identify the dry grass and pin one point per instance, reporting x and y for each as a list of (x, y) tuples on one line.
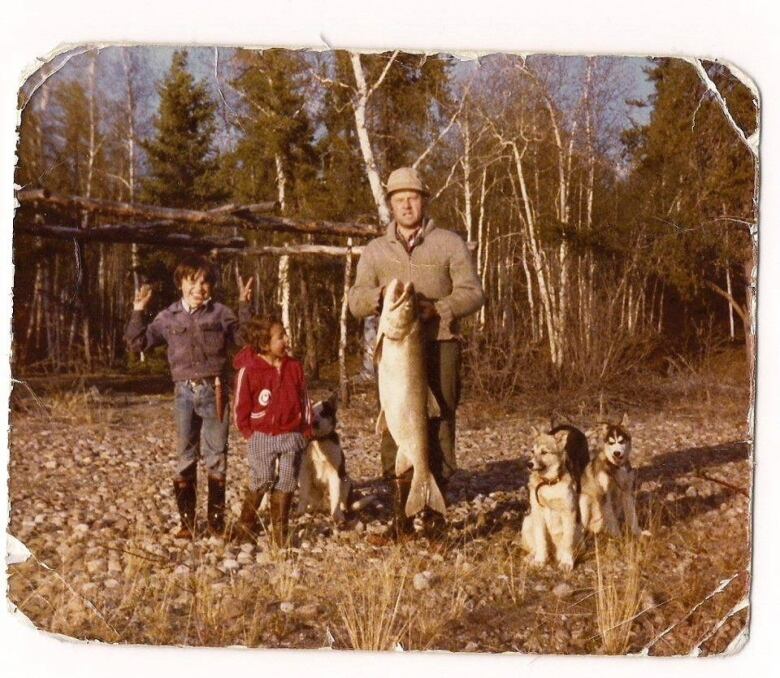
[(621, 596), (370, 608), (618, 592)]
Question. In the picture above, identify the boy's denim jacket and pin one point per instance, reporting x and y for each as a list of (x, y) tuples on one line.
[(197, 342)]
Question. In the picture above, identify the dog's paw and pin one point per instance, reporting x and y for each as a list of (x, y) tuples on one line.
[(644, 533), (566, 565), (535, 562)]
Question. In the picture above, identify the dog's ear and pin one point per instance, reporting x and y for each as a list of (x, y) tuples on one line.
[(624, 420), (560, 439)]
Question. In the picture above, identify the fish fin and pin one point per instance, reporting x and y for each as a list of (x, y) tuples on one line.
[(378, 350), (434, 410), (381, 423), (424, 492)]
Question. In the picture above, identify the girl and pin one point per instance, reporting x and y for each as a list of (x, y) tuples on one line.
[(273, 413)]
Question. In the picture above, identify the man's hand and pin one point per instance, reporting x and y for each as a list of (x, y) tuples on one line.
[(142, 298), (245, 289), (427, 310)]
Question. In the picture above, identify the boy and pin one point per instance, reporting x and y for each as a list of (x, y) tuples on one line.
[(198, 332), (273, 413)]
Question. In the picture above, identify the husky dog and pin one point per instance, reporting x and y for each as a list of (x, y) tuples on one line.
[(558, 460), (323, 481), (608, 482)]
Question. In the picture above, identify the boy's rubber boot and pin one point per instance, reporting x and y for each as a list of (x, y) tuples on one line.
[(280, 517), (216, 506), (184, 488), (246, 529)]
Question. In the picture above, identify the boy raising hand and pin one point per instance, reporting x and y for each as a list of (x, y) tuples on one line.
[(198, 332)]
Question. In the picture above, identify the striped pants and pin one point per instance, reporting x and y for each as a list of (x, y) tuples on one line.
[(264, 451)]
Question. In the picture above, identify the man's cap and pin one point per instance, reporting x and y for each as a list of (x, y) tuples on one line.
[(405, 179)]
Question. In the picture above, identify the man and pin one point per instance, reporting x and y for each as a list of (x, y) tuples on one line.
[(198, 332), (439, 264)]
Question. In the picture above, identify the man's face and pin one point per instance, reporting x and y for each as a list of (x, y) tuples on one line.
[(407, 207), (195, 290)]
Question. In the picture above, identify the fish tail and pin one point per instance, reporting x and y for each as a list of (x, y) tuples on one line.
[(424, 492)]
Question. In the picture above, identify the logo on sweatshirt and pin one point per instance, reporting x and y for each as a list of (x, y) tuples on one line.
[(265, 397)]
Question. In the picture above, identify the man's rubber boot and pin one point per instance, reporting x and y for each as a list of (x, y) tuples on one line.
[(403, 525), (184, 489), (280, 517), (216, 506)]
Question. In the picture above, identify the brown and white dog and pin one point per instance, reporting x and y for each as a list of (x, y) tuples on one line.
[(558, 460), (323, 482), (609, 481)]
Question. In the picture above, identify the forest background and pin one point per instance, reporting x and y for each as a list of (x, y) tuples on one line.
[(699, 28), (610, 201)]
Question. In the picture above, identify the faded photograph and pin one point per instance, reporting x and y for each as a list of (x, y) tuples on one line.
[(384, 351)]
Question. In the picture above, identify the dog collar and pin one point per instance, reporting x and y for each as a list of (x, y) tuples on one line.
[(544, 482)]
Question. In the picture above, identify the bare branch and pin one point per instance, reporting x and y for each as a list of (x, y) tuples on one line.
[(752, 141), (734, 303), (382, 75), (441, 134)]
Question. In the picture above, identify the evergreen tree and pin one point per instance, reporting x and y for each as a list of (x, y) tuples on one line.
[(182, 161), (693, 181), (274, 160)]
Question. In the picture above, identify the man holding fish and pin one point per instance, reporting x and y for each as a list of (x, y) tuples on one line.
[(421, 280)]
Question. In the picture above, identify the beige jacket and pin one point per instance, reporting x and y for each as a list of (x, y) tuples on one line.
[(440, 266)]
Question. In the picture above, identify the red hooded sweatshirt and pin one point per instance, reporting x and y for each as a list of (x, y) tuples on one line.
[(268, 399)]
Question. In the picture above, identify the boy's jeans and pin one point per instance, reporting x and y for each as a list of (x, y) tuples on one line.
[(199, 430)]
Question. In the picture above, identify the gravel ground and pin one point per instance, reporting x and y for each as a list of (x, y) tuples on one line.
[(91, 499)]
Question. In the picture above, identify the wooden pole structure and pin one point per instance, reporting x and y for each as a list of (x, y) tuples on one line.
[(251, 217), (343, 380)]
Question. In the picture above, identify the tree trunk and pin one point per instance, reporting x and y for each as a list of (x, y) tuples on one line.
[(359, 106), (343, 379), (310, 363), (731, 310), (281, 183), (284, 295)]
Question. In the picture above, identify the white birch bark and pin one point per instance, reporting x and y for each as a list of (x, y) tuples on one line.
[(731, 308), (284, 295), (343, 380), (466, 163), (537, 260), (281, 183), (360, 105), (131, 141)]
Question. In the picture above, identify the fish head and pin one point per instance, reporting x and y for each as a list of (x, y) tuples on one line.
[(399, 310)]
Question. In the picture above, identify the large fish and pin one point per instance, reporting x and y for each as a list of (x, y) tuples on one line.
[(405, 399)]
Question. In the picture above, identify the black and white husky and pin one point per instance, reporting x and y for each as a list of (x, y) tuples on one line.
[(323, 481), (609, 481)]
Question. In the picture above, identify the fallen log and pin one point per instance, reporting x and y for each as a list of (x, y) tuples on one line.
[(236, 216), (133, 233)]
